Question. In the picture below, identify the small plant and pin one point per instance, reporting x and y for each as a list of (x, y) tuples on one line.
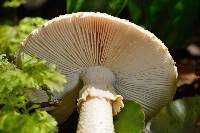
[(11, 35), (17, 103), (18, 112)]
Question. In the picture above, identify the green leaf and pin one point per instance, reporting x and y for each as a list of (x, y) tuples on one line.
[(12, 36), (130, 119), (166, 19), (178, 117), (33, 73), (7, 35), (43, 74), (14, 3), (26, 25), (14, 108), (176, 15), (4, 64), (37, 122), (17, 112), (113, 7)]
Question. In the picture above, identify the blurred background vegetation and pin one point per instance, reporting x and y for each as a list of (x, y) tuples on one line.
[(175, 22)]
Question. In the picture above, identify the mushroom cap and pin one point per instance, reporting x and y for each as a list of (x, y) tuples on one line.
[(144, 69)]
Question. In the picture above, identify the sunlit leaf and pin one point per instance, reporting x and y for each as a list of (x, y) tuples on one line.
[(130, 119), (14, 3), (181, 116), (43, 73), (37, 122), (14, 99), (12, 36)]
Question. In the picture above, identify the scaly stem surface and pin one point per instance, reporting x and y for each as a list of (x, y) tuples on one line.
[(97, 101), (96, 116)]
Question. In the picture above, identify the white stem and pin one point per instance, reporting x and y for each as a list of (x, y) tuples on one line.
[(96, 116), (97, 101)]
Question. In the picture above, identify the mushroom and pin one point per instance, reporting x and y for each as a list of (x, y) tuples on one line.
[(113, 58)]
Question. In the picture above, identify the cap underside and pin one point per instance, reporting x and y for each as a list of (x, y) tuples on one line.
[(144, 70)]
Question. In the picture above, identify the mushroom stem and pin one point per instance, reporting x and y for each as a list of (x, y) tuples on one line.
[(98, 101), (96, 116)]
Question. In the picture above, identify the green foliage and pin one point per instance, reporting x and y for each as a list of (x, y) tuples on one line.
[(14, 3), (7, 39), (173, 21), (14, 99), (130, 119), (180, 116), (33, 73), (27, 25), (113, 7), (17, 112), (37, 122), (42, 73), (12, 36)]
